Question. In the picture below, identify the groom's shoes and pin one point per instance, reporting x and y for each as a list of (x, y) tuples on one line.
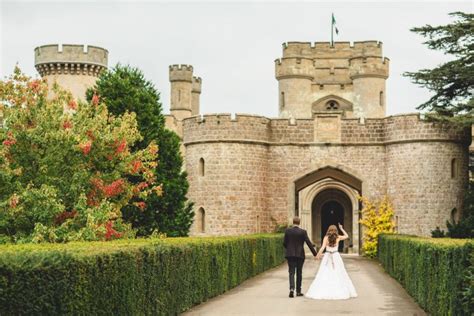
[(299, 294), (291, 294)]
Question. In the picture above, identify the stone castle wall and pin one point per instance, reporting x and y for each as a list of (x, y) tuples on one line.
[(251, 160)]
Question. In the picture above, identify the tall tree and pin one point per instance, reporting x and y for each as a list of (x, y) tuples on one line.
[(125, 89), (453, 81)]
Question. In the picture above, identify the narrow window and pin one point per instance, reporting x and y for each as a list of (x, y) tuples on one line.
[(381, 98), (201, 220), (179, 95), (396, 223), (454, 215), (454, 167), (201, 167), (282, 99)]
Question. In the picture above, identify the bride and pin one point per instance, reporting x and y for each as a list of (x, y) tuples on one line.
[(332, 281)]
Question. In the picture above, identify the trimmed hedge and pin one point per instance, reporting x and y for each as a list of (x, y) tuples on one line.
[(129, 277), (431, 270)]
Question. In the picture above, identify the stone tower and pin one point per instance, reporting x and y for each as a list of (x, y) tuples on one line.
[(185, 91), (342, 78), (74, 67)]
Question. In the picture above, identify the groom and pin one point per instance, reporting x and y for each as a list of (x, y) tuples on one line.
[(295, 237)]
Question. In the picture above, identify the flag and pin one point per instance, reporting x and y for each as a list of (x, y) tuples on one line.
[(334, 24)]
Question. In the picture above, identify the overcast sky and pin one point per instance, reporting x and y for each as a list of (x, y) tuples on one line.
[(232, 45)]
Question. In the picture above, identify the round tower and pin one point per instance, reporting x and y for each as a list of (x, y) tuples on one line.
[(181, 78), (294, 75), (368, 74), (73, 67), (196, 92)]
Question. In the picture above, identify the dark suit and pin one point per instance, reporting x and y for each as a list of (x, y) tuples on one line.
[(293, 242)]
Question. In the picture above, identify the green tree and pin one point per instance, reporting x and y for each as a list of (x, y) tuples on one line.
[(64, 166), (123, 89), (453, 81)]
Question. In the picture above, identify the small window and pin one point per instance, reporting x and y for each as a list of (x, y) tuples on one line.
[(179, 95), (332, 105), (454, 168), (201, 220), (282, 99), (381, 98), (201, 167), (258, 224), (454, 215)]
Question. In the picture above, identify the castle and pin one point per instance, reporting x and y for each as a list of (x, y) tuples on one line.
[(331, 143)]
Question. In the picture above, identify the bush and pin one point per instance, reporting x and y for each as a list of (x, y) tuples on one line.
[(64, 166), (376, 219), (433, 271), (129, 277)]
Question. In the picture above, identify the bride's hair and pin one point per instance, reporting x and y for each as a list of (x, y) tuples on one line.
[(332, 234)]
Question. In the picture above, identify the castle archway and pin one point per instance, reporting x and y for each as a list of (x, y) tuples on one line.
[(328, 189)]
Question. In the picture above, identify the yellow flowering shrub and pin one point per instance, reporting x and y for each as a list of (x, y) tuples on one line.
[(376, 219)]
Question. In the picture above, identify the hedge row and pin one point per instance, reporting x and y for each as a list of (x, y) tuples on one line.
[(433, 271), (134, 277)]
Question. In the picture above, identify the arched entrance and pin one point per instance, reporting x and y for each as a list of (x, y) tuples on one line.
[(330, 207), (321, 191)]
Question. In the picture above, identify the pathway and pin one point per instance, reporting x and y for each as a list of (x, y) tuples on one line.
[(267, 294)]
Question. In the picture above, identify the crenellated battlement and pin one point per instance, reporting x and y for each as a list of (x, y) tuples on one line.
[(294, 68), (338, 50), (181, 73), (371, 66), (70, 59), (197, 84), (274, 131)]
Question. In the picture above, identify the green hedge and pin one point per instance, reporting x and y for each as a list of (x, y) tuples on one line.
[(433, 271), (129, 277)]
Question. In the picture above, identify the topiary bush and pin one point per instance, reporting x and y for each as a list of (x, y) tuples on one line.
[(433, 271), (129, 277)]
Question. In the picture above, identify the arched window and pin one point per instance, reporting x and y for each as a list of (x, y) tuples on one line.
[(454, 215), (454, 168), (381, 98), (201, 220), (201, 167), (332, 105)]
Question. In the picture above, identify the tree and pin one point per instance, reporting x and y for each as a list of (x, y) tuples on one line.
[(453, 81), (453, 85), (124, 88), (64, 166)]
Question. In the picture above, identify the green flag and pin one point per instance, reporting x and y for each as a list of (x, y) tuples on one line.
[(334, 24)]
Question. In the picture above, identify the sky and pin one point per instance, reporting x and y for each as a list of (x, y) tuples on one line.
[(231, 45)]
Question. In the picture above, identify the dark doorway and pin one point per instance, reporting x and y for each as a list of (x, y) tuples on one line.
[(332, 213)]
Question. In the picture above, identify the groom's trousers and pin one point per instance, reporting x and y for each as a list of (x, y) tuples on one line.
[(295, 264)]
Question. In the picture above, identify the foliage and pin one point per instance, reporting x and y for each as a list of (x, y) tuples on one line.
[(438, 233), (64, 166), (125, 89), (377, 219), (453, 81), (464, 228), (129, 277), (433, 271)]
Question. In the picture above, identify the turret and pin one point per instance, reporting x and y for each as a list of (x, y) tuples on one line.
[(294, 77), (368, 76), (195, 94), (73, 67), (181, 78)]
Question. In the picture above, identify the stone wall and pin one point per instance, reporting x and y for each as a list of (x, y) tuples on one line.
[(251, 162)]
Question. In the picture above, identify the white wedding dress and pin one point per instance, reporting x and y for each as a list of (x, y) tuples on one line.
[(332, 281)]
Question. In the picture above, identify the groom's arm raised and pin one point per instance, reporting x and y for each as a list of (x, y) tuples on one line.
[(309, 243)]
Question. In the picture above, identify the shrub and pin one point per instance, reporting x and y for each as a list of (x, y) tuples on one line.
[(433, 271), (377, 219), (129, 277), (64, 166), (125, 89)]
